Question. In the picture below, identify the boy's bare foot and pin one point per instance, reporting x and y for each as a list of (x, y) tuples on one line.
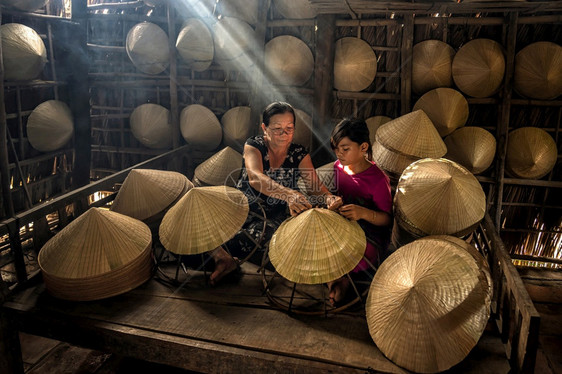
[(338, 289), (224, 265)]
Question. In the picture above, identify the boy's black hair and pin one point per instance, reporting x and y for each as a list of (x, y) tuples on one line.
[(277, 107), (356, 130)]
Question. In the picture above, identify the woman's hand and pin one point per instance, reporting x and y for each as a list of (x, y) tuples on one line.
[(297, 203), (354, 212), (333, 202)]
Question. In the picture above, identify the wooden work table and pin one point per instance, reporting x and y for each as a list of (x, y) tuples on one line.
[(228, 328)]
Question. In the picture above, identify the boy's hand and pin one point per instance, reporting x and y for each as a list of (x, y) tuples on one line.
[(353, 212)]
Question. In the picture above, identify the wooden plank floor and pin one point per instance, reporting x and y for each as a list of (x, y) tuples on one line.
[(231, 327)]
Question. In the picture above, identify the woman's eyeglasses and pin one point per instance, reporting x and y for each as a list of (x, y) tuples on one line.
[(281, 131)]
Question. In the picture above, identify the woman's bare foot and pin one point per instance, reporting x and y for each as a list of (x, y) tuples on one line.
[(338, 289), (224, 265)]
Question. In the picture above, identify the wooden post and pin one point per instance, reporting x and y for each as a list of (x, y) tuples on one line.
[(503, 115), (4, 163), (406, 64), (79, 92), (257, 97), (323, 86), (174, 108)]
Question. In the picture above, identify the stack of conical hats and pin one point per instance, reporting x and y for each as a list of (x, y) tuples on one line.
[(98, 255), (204, 219), (439, 196), (235, 42), (195, 44), (537, 71), (531, 153), (355, 64), (478, 67), (146, 192), (317, 246), (200, 127), (406, 139), (431, 65), (472, 147), (373, 124), (223, 168), (429, 304), (446, 108), (294, 68), (147, 47), (236, 127)]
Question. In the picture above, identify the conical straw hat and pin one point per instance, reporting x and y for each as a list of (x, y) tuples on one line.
[(538, 72), (245, 10), (147, 47), (294, 68), (355, 64), (427, 306), (446, 108), (150, 125), (223, 168), (50, 126), (204, 219), (23, 52), (431, 65), (200, 127), (236, 126), (195, 44), (472, 147), (390, 161), (147, 192), (478, 67), (295, 9), (317, 246), (439, 196), (25, 5), (412, 134), (373, 124), (100, 254), (531, 153), (303, 129), (235, 42)]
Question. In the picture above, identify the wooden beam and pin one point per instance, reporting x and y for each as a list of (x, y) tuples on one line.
[(406, 64)]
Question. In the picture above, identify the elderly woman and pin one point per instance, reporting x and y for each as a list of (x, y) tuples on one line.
[(271, 168)]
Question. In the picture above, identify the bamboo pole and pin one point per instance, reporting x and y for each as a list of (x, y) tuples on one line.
[(406, 64), (174, 108)]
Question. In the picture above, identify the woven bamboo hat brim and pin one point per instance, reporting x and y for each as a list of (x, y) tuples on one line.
[(25, 5), (391, 161), (427, 306), (50, 126), (100, 254), (431, 65), (200, 127), (478, 67), (531, 153), (317, 246), (446, 108), (472, 147), (439, 196), (195, 44), (223, 168), (373, 124), (303, 129), (147, 192), (412, 134), (23, 52), (150, 125), (236, 126), (204, 219), (295, 9), (245, 10), (355, 64), (235, 41), (294, 68), (147, 47), (538, 72)]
